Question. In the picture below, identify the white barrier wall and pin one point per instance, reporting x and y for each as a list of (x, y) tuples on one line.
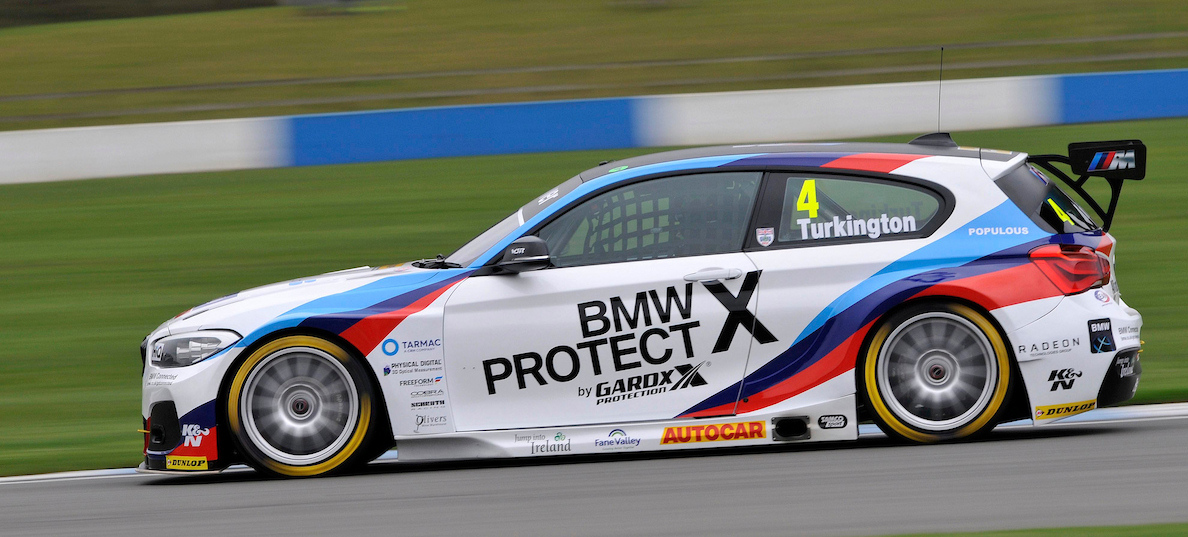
[(666, 120), (119, 150), (844, 111)]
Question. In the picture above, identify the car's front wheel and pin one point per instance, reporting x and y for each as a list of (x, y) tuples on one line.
[(300, 406), (936, 372)]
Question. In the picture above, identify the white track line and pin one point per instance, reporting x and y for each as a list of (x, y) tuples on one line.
[(1101, 415)]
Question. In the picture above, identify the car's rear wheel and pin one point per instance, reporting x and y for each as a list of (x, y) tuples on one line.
[(936, 372), (301, 406)]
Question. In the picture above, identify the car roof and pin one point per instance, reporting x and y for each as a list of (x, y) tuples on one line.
[(804, 155)]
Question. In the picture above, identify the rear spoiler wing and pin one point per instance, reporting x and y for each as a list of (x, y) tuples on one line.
[(1116, 162)]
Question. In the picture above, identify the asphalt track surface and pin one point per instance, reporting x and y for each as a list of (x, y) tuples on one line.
[(1129, 467)]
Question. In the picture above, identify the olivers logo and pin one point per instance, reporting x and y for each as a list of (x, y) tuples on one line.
[(655, 312)]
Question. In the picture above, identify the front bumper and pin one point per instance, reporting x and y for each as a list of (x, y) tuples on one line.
[(180, 412)]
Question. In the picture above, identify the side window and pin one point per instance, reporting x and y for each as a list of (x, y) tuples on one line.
[(851, 210), (685, 215)]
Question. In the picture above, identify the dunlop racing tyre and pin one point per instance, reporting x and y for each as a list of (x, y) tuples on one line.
[(936, 372), (301, 406)]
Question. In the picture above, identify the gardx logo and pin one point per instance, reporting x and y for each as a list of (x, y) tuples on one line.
[(645, 385)]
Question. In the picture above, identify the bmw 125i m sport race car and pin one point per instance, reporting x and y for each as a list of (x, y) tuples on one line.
[(729, 296)]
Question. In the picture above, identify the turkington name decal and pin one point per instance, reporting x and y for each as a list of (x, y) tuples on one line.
[(849, 227)]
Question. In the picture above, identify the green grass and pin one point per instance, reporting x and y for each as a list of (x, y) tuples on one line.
[(446, 35), (1153, 530), (87, 268)]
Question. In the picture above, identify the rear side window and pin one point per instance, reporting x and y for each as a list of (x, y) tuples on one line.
[(817, 209), (1042, 200), (676, 216)]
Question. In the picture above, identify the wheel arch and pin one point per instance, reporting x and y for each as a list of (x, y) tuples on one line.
[(380, 408), (1017, 406)]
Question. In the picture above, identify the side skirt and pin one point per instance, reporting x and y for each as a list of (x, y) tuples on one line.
[(832, 420)]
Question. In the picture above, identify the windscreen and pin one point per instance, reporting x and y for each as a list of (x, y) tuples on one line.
[(477, 246)]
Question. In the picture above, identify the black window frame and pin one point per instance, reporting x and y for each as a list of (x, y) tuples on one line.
[(771, 207)]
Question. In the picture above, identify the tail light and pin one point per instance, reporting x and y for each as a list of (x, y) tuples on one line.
[(1072, 268)]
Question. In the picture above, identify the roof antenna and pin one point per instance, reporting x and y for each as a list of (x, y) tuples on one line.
[(939, 88), (938, 138)]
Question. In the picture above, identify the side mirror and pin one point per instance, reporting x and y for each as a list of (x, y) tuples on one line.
[(524, 254)]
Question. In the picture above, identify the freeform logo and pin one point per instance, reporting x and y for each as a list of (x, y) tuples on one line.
[(1112, 160)]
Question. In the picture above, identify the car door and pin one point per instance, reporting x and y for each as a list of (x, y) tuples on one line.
[(824, 243), (637, 319)]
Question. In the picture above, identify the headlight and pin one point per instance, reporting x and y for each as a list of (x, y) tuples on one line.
[(188, 349)]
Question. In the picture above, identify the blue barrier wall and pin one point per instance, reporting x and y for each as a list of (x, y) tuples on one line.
[(1121, 96), (662, 120), (459, 131)]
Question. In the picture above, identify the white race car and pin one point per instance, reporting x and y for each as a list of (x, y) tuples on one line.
[(727, 296)]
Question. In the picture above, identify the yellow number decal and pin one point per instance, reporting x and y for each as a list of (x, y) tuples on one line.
[(807, 201), (1059, 212)]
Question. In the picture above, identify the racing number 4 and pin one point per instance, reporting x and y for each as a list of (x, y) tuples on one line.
[(1060, 212), (807, 201)]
